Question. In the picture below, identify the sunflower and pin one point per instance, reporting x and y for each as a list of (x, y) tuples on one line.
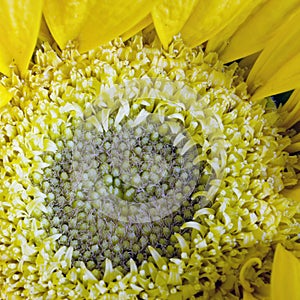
[(144, 151)]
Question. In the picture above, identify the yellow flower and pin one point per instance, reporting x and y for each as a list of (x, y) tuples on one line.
[(135, 163)]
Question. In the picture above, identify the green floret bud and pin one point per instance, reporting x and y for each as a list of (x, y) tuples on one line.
[(87, 255), (140, 257), (91, 265), (136, 180), (117, 249), (129, 194), (56, 221), (76, 254), (114, 239), (63, 240), (120, 231), (153, 238), (50, 196), (74, 244)]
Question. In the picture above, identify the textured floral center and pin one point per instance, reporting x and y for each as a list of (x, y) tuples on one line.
[(142, 160), (114, 192)]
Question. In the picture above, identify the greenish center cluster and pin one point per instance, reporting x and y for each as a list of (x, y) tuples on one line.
[(113, 193)]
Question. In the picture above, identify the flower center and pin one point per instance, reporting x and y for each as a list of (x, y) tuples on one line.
[(114, 192)]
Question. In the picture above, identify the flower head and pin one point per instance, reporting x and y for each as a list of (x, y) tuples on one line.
[(143, 168)]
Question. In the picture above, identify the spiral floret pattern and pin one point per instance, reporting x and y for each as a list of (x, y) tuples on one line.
[(115, 192)]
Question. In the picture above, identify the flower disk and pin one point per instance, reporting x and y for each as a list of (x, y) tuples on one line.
[(133, 172), (117, 191)]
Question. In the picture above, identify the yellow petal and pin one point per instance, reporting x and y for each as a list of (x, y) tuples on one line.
[(285, 278), (138, 27), (65, 18), (276, 69), (254, 33), (292, 193), (209, 18), (285, 78), (291, 111), (296, 138), (92, 22), (293, 148), (248, 62), (5, 96), (220, 40), (45, 34), (109, 19), (19, 28), (292, 101), (170, 16)]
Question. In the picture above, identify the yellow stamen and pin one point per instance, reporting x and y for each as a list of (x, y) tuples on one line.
[(5, 96)]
